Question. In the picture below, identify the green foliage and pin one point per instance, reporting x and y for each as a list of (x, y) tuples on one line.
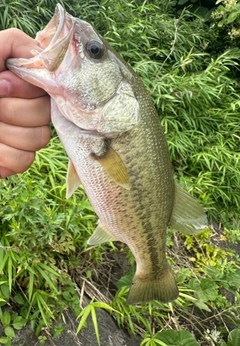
[(36, 234), (190, 67), (29, 16), (177, 338), (91, 309), (227, 17), (202, 8), (10, 323), (233, 338)]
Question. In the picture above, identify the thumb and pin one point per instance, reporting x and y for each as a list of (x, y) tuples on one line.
[(16, 44), (13, 86)]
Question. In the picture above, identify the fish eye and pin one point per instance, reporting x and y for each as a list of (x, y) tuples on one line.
[(95, 49)]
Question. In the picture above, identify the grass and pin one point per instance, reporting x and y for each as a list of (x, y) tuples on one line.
[(43, 236)]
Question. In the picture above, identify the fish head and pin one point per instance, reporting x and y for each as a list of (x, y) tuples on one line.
[(88, 81)]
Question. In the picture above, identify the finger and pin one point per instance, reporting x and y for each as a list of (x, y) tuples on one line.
[(26, 113), (14, 160), (13, 86), (16, 44), (24, 138), (4, 172)]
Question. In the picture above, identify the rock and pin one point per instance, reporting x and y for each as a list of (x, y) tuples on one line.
[(110, 334)]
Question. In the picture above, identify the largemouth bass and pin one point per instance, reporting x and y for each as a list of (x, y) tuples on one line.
[(110, 130)]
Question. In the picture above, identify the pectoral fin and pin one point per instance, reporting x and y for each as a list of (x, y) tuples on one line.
[(100, 235), (114, 167), (188, 215), (73, 180)]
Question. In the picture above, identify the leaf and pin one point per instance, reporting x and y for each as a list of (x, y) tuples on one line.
[(19, 299), (126, 280), (103, 305), (46, 277), (177, 338), (31, 283), (19, 322), (209, 289), (4, 340), (83, 315), (6, 318), (48, 268), (234, 14), (201, 305), (5, 291), (9, 331), (95, 324), (234, 278), (234, 338)]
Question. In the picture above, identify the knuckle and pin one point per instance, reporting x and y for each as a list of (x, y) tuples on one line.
[(43, 136)]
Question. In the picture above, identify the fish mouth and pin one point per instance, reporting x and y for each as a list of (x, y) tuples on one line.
[(54, 29), (53, 40)]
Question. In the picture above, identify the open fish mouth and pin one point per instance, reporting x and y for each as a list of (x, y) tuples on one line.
[(54, 43), (54, 29), (53, 40)]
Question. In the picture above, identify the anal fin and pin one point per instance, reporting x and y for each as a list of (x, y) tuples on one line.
[(100, 235), (73, 180)]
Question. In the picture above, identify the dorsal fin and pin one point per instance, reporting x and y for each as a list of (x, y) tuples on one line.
[(188, 215)]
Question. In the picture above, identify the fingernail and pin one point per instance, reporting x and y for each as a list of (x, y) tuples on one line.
[(5, 87)]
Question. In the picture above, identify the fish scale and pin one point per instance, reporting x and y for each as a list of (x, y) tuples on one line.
[(110, 130)]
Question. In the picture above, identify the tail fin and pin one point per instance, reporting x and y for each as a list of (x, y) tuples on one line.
[(162, 288)]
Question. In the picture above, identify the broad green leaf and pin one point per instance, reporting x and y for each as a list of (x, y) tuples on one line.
[(5, 291), (234, 338), (19, 299), (177, 338), (19, 322), (4, 340), (9, 331), (6, 318), (235, 13)]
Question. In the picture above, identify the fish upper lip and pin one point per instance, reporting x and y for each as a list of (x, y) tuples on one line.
[(60, 27), (60, 21), (60, 13)]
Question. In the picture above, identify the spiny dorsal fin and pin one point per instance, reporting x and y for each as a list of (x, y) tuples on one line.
[(100, 235), (188, 215), (114, 167), (73, 180)]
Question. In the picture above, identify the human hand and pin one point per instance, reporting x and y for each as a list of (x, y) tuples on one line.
[(24, 108)]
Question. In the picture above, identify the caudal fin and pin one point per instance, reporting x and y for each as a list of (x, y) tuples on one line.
[(162, 288)]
